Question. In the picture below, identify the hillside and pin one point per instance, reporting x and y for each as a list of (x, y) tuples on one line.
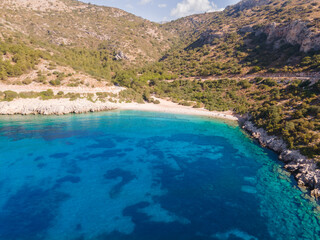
[(251, 36), (271, 36), (70, 23)]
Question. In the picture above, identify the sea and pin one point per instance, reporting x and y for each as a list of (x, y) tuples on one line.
[(131, 175)]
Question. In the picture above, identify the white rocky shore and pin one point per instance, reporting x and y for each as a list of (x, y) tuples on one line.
[(303, 169), (65, 106), (52, 106)]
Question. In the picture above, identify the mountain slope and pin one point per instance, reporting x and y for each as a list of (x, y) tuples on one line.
[(251, 36), (248, 37), (72, 23)]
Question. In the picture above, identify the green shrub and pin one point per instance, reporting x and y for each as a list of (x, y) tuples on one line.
[(269, 82), (27, 81), (255, 69), (10, 95), (41, 79), (28, 95), (245, 84), (185, 103), (46, 94), (56, 82), (197, 105), (314, 110)]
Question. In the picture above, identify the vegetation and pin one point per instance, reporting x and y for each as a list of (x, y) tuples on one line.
[(235, 41), (44, 95), (290, 110), (293, 113), (195, 61), (98, 63), (16, 58), (87, 26)]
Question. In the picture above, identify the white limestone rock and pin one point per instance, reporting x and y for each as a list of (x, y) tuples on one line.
[(303, 169), (52, 107)]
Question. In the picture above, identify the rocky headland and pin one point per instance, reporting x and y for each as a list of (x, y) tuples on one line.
[(303, 169)]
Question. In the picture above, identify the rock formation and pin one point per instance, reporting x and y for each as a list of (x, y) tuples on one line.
[(121, 56), (294, 33), (303, 169), (248, 4), (53, 106)]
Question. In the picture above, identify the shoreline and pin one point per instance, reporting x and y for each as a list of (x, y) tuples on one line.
[(304, 170), (170, 107), (35, 106)]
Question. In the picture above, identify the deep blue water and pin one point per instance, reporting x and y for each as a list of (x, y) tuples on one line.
[(143, 176)]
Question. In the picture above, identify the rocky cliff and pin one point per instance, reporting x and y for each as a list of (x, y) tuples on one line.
[(295, 33), (303, 169)]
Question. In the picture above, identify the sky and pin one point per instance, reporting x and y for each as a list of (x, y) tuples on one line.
[(165, 10)]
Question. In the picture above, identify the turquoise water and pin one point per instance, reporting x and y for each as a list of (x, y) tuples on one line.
[(143, 176)]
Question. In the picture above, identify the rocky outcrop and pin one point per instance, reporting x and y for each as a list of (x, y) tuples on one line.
[(311, 43), (52, 107), (206, 37), (303, 169), (294, 33), (246, 29), (248, 4), (121, 56), (209, 36), (36, 5)]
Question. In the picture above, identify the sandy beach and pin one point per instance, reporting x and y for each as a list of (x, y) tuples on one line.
[(171, 107)]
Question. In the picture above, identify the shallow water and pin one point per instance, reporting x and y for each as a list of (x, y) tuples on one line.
[(142, 176)]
